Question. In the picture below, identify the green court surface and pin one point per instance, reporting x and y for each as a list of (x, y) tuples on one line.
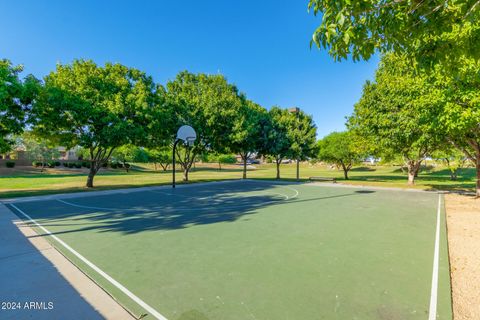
[(257, 250)]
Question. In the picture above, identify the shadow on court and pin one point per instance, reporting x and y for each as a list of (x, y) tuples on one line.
[(164, 209)]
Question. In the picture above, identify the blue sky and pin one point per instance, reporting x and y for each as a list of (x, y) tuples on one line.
[(261, 46)]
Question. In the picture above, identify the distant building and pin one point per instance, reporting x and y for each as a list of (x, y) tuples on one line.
[(68, 154)]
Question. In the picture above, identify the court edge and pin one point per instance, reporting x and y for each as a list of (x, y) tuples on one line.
[(115, 283)]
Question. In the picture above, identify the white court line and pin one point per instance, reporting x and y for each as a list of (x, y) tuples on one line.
[(432, 313), (127, 292), (176, 209), (209, 197), (94, 208)]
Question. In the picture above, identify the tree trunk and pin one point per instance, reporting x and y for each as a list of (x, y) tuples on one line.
[(185, 174), (345, 170), (91, 175), (478, 175), (453, 175), (412, 166), (418, 169), (244, 167), (278, 162), (219, 166), (155, 165)]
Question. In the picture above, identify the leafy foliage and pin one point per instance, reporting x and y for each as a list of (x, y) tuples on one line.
[(431, 31), (275, 139), (209, 104), (246, 135), (162, 156), (398, 113), (221, 159), (339, 148), (97, 108), (39, 150), (129, 153), (302, 134), (15, 100)]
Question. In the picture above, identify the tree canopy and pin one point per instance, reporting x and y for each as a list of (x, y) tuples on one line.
[(339, 148), (97, 108), (209, 104), (275, 137), (398, 113), (245, 138), (15, 99), (302, 133), (430, 31)]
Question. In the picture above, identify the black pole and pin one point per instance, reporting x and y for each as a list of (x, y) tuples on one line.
[(173, 162), (298, 170)]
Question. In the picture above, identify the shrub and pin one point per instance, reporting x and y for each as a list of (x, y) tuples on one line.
[(227, 158), (78, 165), (10, 164), (113, 165), (71, 164), (35, 164), (51, 164), (57, 163), (65, 164), (126, 165), (105, 164), (84, 164)]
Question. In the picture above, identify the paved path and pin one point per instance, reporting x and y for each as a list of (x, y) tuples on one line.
[(41, 283)]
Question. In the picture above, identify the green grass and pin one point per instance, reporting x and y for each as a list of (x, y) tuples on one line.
[(242, 251), (18, 182)]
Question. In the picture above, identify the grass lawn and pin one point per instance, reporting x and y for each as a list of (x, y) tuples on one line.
[(29, 181)]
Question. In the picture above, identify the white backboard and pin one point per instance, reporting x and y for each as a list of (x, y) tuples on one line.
[(187, 134)]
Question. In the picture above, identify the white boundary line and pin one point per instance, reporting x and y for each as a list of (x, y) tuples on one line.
[(127, 292), (286, 197), (88, 207), (432, 313)]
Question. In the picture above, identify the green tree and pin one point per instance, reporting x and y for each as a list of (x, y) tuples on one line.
[(39, 149), (210, 105), (453, 159), (430, 31), (221, 158), (459, 116), (339, 148), (247, 132), (276, 141), (130, 153), (97, 108), (16, 97), (161, 155), (398, 113), (302, 134), (442, 38)]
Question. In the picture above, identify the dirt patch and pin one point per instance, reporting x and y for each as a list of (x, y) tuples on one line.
[(463, 222)]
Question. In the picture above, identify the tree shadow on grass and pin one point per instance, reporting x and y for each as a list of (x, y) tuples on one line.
[(151, 211), (363, 169), (438, 180)]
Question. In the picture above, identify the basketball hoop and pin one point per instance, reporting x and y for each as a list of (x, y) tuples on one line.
[(188, 136)]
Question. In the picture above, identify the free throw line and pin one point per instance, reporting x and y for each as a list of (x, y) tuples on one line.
[(432, 313), (127, 292)]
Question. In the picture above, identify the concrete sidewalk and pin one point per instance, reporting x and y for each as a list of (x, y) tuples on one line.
[(37, 282)]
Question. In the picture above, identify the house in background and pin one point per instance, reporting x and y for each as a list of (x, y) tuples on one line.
[(67, 154)]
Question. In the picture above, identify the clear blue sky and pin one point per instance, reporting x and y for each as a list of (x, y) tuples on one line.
[(261, 46)]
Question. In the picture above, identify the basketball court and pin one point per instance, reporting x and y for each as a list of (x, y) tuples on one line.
[(255, 249)]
